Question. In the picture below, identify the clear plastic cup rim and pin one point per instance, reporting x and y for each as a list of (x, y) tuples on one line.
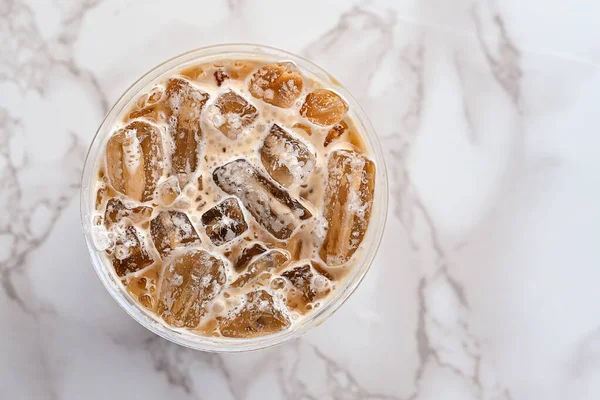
[(369, 245)]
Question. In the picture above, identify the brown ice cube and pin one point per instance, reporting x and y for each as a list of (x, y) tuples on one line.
[(168, 191), (241, 69), (305, 128), (272, 207), (231, 113), (277, 84), (184, 105), (129, 254), (258, 316), (247, 255), (154, 96), (171, 230), (143, 286), (134, 160), (146, 300), (269, 262), (335, 132), (224, 222), (348, 202), (148, 105), (195, 72), (307, 284), (101, 195), (149, 113), (287, 159), (189, 282), (324, 107), (116, 210), (220, 76), (105, 190), (300, 244)]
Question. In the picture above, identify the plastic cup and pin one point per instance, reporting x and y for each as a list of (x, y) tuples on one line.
[(186, 338)]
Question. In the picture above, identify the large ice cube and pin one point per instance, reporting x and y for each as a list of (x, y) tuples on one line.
[(224, 222), (277, 84), (348, 202), (171, 230), (272, 207), (258, 316), (231, 113), (189, 282), (287, 159), (184, 104), (324, 107), (116, 210), (129, 254), (267, 263), (134, 160)]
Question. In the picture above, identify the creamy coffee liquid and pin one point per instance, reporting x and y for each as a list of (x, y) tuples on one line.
[(233, 197)]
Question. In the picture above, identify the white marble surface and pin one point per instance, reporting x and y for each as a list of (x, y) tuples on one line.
[(486, 284)]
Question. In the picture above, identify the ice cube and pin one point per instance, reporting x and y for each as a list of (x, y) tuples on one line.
[(134, 160), (258, 316), (149, 105), (287, 159), (268, 263), (241, 69), (155, 95), (277, 84), (195, 72), (184, 104), (168, 191), (335, 132), (272, 207), (220, 76), (324, 107), (231, 113), (300, 244), (171, 230), (101, 194), (116, 210), (146, 300), (224, 222), (348, 201), (247, 255), (129, 254), (189, 282), (307, 284), (150, 113), (101, 238), (304, 128)]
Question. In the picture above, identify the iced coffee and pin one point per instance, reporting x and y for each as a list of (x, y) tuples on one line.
[(232, 198)]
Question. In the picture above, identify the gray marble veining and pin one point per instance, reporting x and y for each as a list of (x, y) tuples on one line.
[(485, 286)]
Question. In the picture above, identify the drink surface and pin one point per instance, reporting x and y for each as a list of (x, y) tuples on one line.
[(233, 197)]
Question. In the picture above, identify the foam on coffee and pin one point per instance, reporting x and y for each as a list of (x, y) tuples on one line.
[(233, 197)]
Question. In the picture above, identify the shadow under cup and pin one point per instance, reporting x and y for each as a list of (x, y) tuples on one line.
[(221, 344)]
